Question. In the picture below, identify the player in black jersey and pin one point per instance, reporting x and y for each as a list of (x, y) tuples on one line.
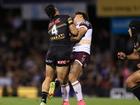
[(133, 81), (60, 48)]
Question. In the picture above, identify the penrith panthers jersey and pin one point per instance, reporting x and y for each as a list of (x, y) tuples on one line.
[(59, 30)]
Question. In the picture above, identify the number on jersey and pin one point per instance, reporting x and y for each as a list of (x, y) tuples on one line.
[(54, 30)]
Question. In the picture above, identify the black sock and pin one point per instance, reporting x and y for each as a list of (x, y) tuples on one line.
[(44, 96), (57, 83), (136, 91)]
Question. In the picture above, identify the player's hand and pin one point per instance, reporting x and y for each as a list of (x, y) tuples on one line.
[(121, 55), (138, 65)]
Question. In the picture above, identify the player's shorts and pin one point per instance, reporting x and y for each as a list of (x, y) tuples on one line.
[(58, 56), (81, 57)]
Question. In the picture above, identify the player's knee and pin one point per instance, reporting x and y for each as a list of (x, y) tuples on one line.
[(72, 78), (61, 80), (129, 82)]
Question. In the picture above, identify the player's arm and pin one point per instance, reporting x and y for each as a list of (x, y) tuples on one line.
[(132, 56), (72, 27), (81, 33), (135, 55), (73, 30)]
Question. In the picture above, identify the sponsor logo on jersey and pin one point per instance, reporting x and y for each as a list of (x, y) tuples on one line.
[(63, 61)]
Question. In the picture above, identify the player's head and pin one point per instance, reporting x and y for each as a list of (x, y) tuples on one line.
[(80, 16), (51, 11), (134, 28)]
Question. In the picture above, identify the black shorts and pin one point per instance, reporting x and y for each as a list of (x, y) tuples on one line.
[(58, 56), (81, 57)]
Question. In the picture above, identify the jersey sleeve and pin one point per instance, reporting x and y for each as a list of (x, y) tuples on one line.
[(85, 25), (70, 20)]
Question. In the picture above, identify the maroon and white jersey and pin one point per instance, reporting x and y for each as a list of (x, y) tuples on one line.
[(85, 42)]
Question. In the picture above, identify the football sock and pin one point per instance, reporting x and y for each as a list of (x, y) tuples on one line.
[(136, 91), (65, 92), (78, 90), (44, 97), (57, 83)]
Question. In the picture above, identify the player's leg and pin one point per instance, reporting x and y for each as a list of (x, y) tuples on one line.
[(63, 63), (53, 86), (65, 88), (46, 83), (74, 74), (62, 72), (51, 90), (133, 83), (80, 60)]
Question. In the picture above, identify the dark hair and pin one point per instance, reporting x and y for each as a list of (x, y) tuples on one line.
[(134, 25), (50, 11), (85, 16)]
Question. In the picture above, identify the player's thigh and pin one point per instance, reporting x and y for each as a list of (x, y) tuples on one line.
[(49, 71), (63, 62), (62, 71), (75, 69), (135, 77), (80, 60)]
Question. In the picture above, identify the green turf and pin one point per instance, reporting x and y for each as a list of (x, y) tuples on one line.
[(57, 101)]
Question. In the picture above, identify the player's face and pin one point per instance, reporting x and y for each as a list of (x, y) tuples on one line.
[(78, 18), (130, 32), (57, 11)]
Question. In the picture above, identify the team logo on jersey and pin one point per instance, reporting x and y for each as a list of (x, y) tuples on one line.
[(63, 61), (49, 61), (54, 22)]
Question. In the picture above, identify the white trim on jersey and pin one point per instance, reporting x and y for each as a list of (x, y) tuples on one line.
[(78, 62), (83, 27)]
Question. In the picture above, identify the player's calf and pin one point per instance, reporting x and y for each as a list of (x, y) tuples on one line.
[(133, 85)]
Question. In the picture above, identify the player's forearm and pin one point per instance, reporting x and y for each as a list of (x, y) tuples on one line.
[(73, 30), (133, 56), (81, 33)]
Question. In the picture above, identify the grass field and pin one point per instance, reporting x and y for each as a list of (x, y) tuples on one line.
[(57, 101)]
